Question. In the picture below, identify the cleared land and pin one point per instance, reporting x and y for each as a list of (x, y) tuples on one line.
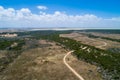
[(46, 63), (92, 41), (114, 36)]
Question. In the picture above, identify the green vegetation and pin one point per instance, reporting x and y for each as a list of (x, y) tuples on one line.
[(115, 50), (93, 36), (107, 61), (11, 51), (106, 31), (20, 43), (5, 44)]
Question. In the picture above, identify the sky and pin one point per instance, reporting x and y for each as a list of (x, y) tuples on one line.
[(87, 14)]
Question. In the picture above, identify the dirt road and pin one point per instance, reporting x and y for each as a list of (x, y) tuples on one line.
[(104, 44), (74, 72)]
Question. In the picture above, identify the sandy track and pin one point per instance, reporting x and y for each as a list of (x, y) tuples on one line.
[(74, 72), (104, 44)]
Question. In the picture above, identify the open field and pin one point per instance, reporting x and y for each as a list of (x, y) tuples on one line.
[(92, 41), (39, 55), (46, 63), (114, 36)]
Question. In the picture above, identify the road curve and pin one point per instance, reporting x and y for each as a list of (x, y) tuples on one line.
[(74, 72), (104, 44)]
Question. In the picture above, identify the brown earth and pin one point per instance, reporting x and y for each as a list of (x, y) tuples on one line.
[(47, 64), (92, 41)]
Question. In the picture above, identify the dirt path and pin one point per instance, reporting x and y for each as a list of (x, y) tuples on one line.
[(104, 44), (74, 72)]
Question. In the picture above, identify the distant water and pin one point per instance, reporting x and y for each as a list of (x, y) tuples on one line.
[(114, 31)]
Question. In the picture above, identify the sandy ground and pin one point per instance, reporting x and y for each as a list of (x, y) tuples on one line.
[(2, 53), (92, 41), (114, 36)]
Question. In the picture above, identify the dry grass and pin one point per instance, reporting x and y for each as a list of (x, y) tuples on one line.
[(2, 53), (88, 71), (47, 64), (92, 41), (84, 39), (114, 36)]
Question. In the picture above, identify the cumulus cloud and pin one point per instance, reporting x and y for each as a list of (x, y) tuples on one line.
[(25, 18), (42, 7)]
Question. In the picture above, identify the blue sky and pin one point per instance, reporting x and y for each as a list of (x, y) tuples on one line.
[(105, 11), (99, 7)]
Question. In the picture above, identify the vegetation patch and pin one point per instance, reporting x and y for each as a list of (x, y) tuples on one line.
[(106, 60), (13, 49)]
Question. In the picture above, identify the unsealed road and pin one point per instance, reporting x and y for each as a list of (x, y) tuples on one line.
[(74, 72)]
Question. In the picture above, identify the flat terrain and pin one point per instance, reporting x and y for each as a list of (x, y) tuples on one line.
[(93, 41), (112, 35), (46, 63)]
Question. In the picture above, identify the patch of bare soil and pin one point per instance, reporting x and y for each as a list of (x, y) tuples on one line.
[(47, 64), (97, 42), (2, 53), (84, 39), (113, 36)]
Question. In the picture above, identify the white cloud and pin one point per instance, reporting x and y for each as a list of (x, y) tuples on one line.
[(42, 7), (25, 10), (25, 18), (1, 8)]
